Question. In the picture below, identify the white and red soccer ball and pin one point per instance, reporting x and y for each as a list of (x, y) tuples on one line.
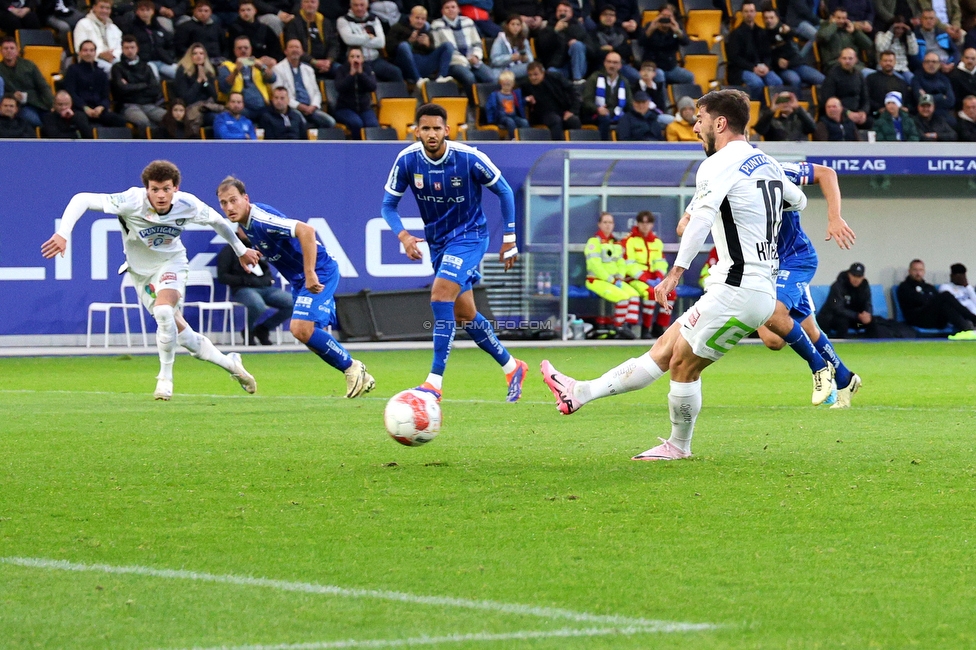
[(413, 417)]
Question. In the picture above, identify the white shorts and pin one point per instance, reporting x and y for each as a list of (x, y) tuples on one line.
[(172, 275), (722, 317)]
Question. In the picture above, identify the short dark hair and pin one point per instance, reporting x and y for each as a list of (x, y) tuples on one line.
[(232, 181), (767, 6), (916, 261), (729, 103), (90, 42), (243, 37), (444, 2), (748, 2), (289, 40), (203, 3), (246, 2), (645, 215), (353, 47), (160, 171), (146, 3), (535, 65), (432, 110), (129, 38), (8, 39), (886, 53), (956, 269), (9, 95)]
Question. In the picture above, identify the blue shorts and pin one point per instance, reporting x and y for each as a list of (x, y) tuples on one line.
[(793, 290), (459, 262), (316, 307)]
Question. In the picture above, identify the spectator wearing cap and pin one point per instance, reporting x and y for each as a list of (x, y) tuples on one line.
[(884, 81), (786, 121), (894, 124), (682, 129), (640, 121), (849, 86), (848, 305), (834, 125), (932, 81), (963, 76), (959, 287), (933, 127), (966, 125)]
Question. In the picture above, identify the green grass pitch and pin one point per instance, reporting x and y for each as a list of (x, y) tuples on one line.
[(294, 516)]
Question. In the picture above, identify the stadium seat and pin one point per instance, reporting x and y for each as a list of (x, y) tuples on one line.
[(677, 91), (533, 134), (457, 113), (481, 92), (482, 135), (329, 93), (754, 108), (737, 19), (164, 86), (705, 25), (112, 133), (696, 47), (207, 133), (48, 60), (433, 89), (703, 66), (386, 89), (398, 113), (124, 305), (900, 317), (648, 16), (156, 133), (27, 37), (687, 6), (331, 133), (379, 133), (582, 135), (203, 279)]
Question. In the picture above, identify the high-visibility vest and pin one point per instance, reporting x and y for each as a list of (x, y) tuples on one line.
[(644, 254), (604, 258)]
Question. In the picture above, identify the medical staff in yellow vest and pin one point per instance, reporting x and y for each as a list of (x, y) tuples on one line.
[(605, 272), (707, 267), (645, 266)]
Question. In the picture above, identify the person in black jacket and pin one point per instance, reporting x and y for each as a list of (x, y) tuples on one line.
[(661, 40), (561, 44), (11, 124), (786, 121), (155, 43), (923, 305), (640, 122), (256, 292), (202, 28), (136, 88), (834, 125), (88, 85), (848, 306), (785, 56), (281, 122), (885, 81), (553, 100), (63, 122), (196, 85), (749, 55), (319, 38), (355, 83), (847, 84), (610, 37), (264, 42), (932, 127)]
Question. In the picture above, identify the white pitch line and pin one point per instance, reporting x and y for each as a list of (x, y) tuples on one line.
[(344, 592), (456, 638)]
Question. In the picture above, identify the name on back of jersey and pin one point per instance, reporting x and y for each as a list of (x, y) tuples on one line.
[(754, 163)]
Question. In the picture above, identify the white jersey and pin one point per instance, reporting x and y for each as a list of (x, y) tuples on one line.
[(152, 240), (740, 195), (965, 295)]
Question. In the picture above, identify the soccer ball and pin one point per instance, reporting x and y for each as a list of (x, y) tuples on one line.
[(413, 417)]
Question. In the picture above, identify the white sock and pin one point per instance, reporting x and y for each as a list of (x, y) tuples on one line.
[(684, 403), (435, 380), (632, 374), (203, 348), (165, 339), (511, 365)]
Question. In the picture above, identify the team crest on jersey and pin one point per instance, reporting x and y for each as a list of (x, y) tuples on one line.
[(437, 186), (455, 181), (693, 316), (169, 276), (180, 222), (418, 181)]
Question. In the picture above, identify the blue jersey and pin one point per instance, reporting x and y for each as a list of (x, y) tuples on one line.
[(273, 234), (448, 192), (795, 248)]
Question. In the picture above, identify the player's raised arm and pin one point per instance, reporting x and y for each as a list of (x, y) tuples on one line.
[(249, 258), (76, 208), (837, 228)]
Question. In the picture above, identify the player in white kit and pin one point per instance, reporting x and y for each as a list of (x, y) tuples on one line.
[(739, 198), (153, 218)]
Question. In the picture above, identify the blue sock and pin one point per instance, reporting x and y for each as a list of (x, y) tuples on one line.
[(481, 331), (800, 342), (331, 351), (444, 329), (826, 350)]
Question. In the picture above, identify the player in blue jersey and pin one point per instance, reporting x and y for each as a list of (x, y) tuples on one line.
[(446, 178), (293, 249)]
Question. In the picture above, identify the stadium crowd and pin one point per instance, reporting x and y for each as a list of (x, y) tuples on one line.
[(576, 69)]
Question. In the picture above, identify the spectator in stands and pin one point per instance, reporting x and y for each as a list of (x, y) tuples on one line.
[(355, 84), (506, 107), (785, 57), (834, 125), (24, 80), (786, 121), (249, 76), (561, 44), (62, 15), (174, 122), (233, 124), (196, 85), (894, 124), (885, 81), (390, 12), (529, 11), (628, 14), (362, 28), (933, 37), (933, 82), (318, 37), (610, 37), (606, 96), (257, 293), (859, 12), (682, 128), (925, 306), (838, 34), (19, 14), (275, 14), (155, 43), (171, 13), (645, 266), (963, 76), (11, 124), (966, 124), (63, 122), (800, 17), (265, 42), (553, 100), (959, 287), (749, 55), (849, 86), (511, 50), (88, 86), (640, 121), (605, 272), (467, 63), (479, 12), (949, 15), (889, 12), (298, 80), (414, 46), (98, 28), (648, 84), (932, 127), (902, 44), (848, 305), (661, 41), (201, 28), (281, 121), (136, 88)]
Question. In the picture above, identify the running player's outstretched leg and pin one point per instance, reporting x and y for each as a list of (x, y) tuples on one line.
[(481, 331), (847, 382), (165, 316), (319, 341), (781, 329), (200, 347)]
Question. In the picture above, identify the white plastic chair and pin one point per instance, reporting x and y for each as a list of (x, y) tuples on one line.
[(107, 307), (205, 279)]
